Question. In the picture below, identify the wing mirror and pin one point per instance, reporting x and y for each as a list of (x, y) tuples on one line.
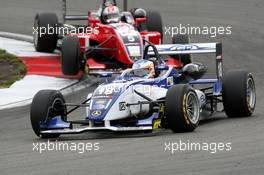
[(194, 70)]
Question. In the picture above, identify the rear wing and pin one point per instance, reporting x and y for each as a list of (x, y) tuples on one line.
[(193, 48)]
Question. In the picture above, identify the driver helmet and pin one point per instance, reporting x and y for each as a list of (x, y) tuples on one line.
[(111, 14), (147, 65)]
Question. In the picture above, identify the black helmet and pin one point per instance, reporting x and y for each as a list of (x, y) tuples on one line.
[(139, 13)]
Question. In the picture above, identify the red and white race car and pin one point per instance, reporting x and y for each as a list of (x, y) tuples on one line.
[(110, 40)]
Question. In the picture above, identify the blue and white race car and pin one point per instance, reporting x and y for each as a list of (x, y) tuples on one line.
[(151, 95)]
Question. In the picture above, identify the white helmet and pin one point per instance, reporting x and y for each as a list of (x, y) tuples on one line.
[(111, 14), (144, 67)]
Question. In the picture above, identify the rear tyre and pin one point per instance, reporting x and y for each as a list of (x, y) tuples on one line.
[(46, 105), (239, 94), (44, 40), (182, 108), (182, 39), (70, 55), (154, 22)]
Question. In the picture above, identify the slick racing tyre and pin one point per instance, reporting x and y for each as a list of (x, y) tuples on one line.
[(154, 23), (182, 108), (182, 39), (46, 105), (70, 55), (45, 39), (239, 94)]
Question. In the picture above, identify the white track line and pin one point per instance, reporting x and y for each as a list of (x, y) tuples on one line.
[(22, 91), (21, 48)]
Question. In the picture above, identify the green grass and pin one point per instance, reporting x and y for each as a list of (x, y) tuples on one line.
[(11, 69)]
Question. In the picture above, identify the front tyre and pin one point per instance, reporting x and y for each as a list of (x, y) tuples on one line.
[(46, 105), (182, 108), (70, 55), (239, 94)]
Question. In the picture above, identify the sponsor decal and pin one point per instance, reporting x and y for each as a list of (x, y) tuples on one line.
[(122, 106), (100, 101), (184, 47), (134, 51), (170, 81)]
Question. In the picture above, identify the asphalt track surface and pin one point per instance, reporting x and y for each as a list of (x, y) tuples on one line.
[(139, 153)]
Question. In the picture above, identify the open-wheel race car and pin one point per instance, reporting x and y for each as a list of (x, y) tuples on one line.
[(110, 40), (149, 96)]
